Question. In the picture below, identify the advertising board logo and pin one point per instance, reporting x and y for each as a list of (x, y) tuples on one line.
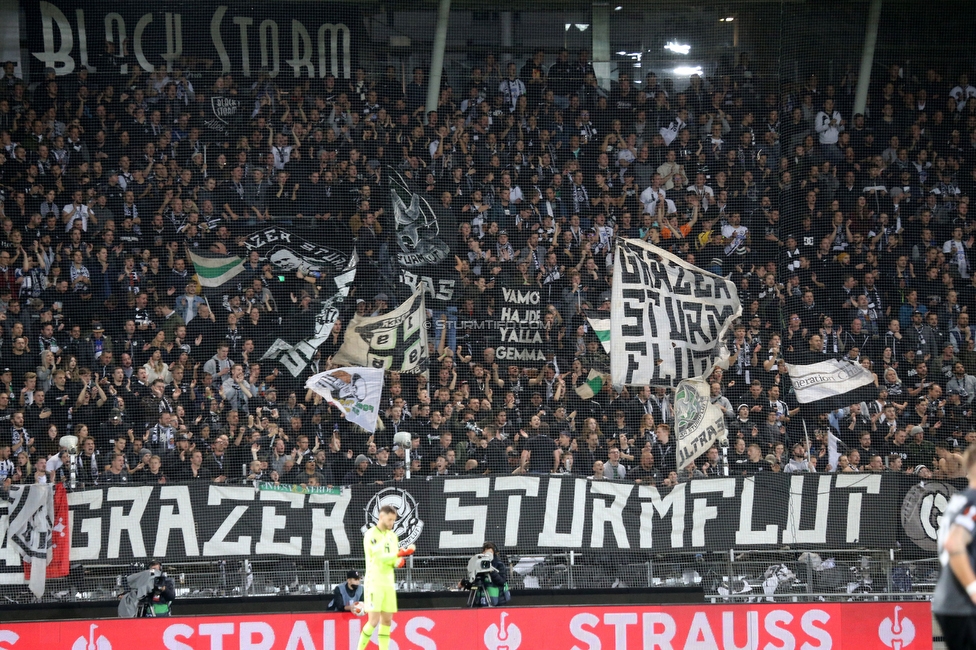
[(408, 524), (895, 632), (92, 642), (503, 637)]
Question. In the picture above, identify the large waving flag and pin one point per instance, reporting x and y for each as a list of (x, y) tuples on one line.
[(668, 318), (697, 422), (395, 341)]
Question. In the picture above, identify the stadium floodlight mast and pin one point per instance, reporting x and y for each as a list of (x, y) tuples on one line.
[(402, 438), (70, 445)]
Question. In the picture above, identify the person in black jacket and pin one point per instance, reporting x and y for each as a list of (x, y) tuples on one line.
[(496, 582)]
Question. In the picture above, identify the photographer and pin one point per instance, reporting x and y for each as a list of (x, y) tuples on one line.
[(151, 593), (495, 581)]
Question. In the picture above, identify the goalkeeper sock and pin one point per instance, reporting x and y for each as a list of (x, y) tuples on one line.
[(365, 636), (384, 637)]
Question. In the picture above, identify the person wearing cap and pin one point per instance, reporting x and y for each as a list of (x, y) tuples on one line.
[(348, 593), (380, 304), (359, 474), (920, 451), (381, 471)]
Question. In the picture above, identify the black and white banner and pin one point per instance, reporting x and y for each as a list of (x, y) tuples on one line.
[(396, 341), (831, 384), (698, 423), (520, 338), (523, 514), (288, 251), (286, 39), (296, 357), (668, 318), (424, 258)]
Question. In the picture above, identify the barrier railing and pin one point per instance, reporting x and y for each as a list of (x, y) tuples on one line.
[(733, 576)]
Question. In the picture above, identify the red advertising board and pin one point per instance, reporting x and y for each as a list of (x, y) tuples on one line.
[(855, 626)]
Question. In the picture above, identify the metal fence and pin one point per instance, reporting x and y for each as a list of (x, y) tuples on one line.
[(736, 575)]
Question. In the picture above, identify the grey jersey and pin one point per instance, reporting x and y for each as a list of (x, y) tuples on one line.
[(950, 598)]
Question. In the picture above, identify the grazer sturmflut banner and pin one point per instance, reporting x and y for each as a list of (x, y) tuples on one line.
[(668, 318), (285, 39), (522, 514)]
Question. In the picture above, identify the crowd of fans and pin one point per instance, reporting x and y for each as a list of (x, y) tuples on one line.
[(847, 235)]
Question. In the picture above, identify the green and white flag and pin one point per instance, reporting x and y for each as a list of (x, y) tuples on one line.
[(215, 270), (592, 386), (600, 324)]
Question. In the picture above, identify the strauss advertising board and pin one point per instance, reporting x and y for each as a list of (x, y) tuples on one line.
[(818, 626)]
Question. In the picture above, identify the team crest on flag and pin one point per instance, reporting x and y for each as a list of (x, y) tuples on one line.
[(354, 391), (697, 422)]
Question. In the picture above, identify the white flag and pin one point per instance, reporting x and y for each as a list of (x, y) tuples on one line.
[(670, 132), (831, 383), (354, 391), (30, 529), (668, 318), (697, 422)]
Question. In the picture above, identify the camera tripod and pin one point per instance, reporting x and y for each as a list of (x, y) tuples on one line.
[(477, 594)]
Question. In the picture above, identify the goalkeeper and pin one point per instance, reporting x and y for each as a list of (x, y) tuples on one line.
[(383, 554)]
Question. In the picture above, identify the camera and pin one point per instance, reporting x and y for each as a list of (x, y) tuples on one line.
[(479, 565)]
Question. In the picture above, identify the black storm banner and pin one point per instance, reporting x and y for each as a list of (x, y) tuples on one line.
[(286, 39), (522, 514)]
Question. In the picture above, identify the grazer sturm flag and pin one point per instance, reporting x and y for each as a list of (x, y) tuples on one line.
[(831, 384), (354, 391), (697, 422), (396, 341), (215, 270), (296, 357), (600, 324), (668, 318), (592, 386)]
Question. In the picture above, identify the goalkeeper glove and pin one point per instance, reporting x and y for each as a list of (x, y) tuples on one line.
[(404, 552), (402, 562)]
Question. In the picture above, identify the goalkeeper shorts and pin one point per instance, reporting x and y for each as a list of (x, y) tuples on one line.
[(380, 599)]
